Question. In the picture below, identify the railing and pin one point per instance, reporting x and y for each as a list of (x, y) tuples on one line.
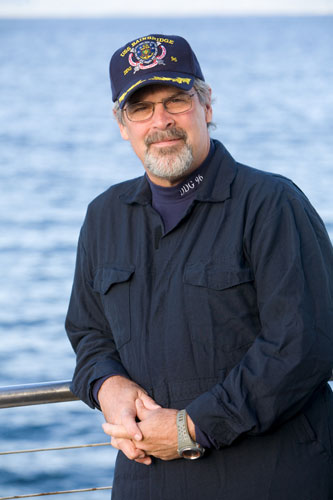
[(36, 394)]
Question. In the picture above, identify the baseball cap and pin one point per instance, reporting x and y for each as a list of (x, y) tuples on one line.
[(162, 59)]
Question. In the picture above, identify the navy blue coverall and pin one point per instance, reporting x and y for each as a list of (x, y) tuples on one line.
[(228, 315)]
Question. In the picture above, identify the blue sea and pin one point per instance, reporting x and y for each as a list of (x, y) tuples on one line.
[(272, 80)]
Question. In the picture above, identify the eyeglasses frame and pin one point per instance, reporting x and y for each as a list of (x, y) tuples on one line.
[(161, 102)]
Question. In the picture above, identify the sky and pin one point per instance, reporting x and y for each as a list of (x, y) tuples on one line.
[(147, 8)]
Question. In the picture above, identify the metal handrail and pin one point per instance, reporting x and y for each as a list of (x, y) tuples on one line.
[(35, 394)]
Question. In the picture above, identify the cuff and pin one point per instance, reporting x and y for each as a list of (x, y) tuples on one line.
[(202, 438), (96, 387)]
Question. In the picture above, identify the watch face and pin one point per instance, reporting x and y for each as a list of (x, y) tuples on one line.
[(192, 453)]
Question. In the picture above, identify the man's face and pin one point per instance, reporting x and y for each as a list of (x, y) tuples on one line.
[(170, 146)]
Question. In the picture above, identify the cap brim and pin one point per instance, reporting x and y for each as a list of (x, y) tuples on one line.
[(182, 81)]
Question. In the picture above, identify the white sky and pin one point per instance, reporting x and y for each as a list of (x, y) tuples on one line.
[(147, 8)]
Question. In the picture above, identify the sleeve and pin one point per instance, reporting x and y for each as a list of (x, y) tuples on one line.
[(292, 260), (89, 332)]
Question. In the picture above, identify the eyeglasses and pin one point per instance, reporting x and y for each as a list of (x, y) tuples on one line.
[(141, 111)]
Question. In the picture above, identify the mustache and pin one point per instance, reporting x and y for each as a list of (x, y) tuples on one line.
[(172, 133)]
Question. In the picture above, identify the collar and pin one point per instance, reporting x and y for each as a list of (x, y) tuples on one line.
[(217, 187)]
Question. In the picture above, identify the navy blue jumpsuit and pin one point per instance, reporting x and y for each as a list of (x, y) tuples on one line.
[(229, 315)]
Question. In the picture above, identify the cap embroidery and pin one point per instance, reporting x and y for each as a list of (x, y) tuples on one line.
[(147, 54), (178, 79), (122, 97)]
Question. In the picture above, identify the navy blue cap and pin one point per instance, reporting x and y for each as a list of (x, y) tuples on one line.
[(161, 59)]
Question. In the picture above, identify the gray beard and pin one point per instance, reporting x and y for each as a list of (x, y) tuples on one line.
[(169, 163)]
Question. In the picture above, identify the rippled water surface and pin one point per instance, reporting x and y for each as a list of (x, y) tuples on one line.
[(272, 82)]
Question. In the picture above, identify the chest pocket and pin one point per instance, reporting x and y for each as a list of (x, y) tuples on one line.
[(215, 277), (114, 286), (221, 306)]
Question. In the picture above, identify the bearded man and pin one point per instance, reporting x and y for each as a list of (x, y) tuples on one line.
[(201, 310)]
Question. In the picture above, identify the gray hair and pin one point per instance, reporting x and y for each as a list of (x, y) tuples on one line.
[(202, 89)]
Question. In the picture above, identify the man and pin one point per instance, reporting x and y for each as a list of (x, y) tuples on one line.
[(201, 310)]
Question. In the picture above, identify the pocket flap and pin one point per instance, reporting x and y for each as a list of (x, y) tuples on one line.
[(107, 276), (216, 277)]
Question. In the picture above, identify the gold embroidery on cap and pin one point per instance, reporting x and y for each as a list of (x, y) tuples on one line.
[(156, 78), (122, 97), (169, 79)]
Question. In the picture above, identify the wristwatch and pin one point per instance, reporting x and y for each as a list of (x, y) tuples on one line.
[(187, 448)]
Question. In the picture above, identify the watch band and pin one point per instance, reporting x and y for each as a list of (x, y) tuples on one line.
[(187, 448)]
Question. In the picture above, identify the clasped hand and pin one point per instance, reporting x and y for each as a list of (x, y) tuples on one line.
[(138, 426), (157, 437)]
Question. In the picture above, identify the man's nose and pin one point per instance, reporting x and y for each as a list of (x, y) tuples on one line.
[(161, 118)]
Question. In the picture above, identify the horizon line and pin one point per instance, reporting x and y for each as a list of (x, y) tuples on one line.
[(123, 15)]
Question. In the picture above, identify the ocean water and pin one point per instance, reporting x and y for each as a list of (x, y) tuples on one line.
[(272, 81)]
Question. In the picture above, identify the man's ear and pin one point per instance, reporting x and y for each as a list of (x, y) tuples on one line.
[(122, 128), (208, 108)]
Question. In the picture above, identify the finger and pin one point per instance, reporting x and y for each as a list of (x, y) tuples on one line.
[(128, 448), (116, 431), (114, 443), (145, 461), (141, 410), (128, 419), (148, 402)]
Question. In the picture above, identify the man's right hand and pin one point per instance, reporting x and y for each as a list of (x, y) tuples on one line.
[(117, 396)]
